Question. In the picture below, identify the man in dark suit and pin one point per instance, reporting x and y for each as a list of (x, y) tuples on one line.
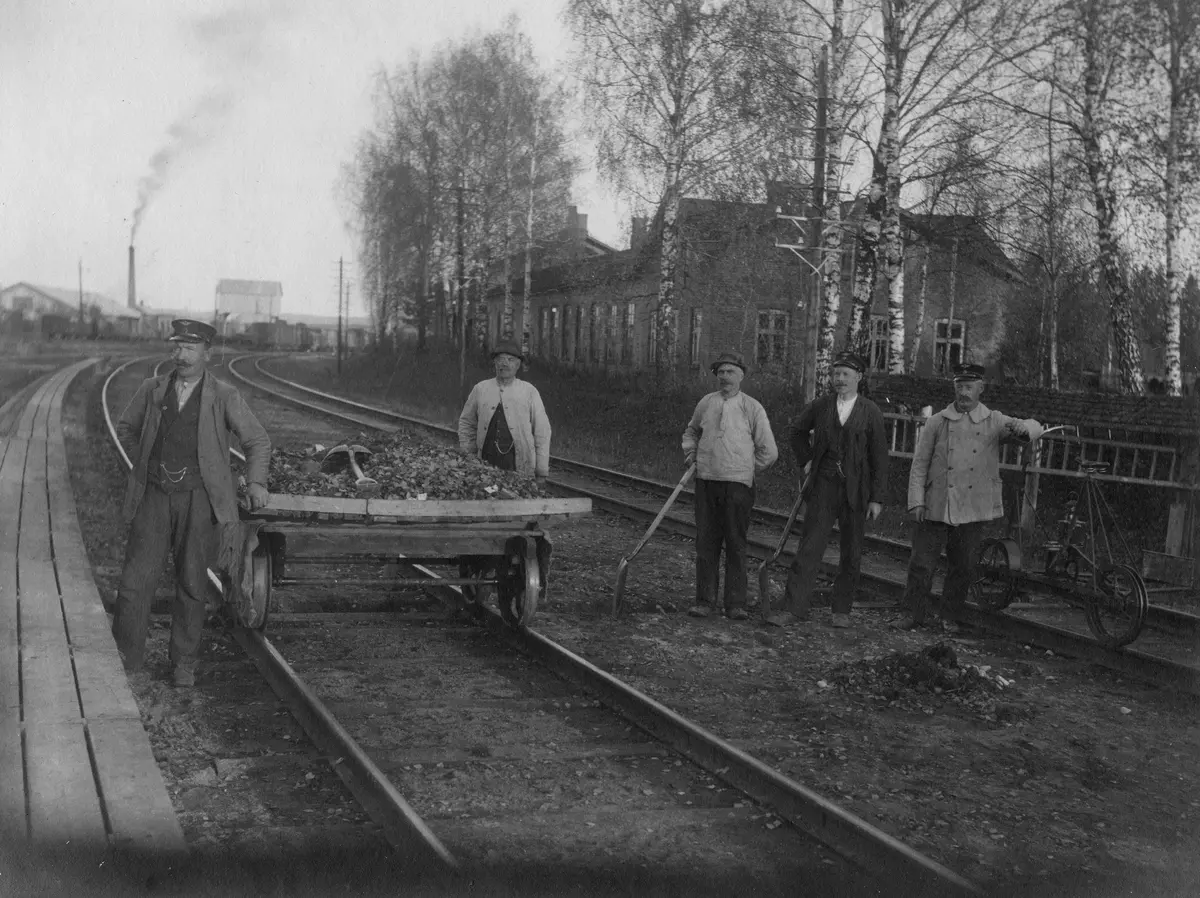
[(839, 437), (180, 492)]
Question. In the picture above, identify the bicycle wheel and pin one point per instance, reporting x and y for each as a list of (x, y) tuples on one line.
[(1117, 610), (995, 584)]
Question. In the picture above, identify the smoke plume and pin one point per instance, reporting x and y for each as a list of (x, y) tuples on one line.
[(232, 43)]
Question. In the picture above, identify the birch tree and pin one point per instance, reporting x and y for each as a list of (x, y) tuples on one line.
[(1170, 45), (665, 81), (1101, 31), (937, 61)]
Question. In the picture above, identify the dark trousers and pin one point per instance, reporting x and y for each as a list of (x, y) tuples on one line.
[(826, 503), (962, 545), (182, 523), (722, 519)]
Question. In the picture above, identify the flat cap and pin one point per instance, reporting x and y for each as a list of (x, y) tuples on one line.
[(728, 358), (968, 372), (188, 330), (849, 360), (508, 347)]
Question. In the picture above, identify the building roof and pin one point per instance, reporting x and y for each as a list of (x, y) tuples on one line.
[(249, 288), (69, 299)]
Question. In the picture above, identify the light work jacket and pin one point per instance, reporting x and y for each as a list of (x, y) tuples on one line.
[(526, 417), (731, 437), (955, 471)]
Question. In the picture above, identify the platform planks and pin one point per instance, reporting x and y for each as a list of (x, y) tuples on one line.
[(76, 765)]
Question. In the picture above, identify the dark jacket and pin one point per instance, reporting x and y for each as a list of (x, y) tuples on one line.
[(864, 446), (222, 412)]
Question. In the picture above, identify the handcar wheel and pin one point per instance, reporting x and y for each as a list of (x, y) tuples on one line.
[(1117, 610), (995, 584), (261, 574), (520, 582)]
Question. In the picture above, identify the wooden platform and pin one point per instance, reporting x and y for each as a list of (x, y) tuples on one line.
[(76, 766)]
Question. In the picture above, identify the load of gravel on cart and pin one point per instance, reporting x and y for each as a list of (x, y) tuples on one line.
[(912, 678), (405, 467)]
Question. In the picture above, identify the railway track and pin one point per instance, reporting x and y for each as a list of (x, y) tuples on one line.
[(1168, 653), (538, 751)]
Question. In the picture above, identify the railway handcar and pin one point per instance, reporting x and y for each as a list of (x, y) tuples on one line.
[(496, 544)]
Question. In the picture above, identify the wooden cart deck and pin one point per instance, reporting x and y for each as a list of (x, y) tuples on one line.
[(414, 511)]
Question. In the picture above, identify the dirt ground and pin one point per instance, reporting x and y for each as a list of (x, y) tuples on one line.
[(1045, 777)]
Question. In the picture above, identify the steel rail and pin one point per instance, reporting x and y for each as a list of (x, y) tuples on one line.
[(1159, 617), (402, 827), (907, 871), (1142, 665)]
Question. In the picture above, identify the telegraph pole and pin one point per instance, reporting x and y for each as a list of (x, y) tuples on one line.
[(81, 293), (339, 326)]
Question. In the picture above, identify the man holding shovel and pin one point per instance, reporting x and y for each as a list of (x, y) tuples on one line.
[(729, 439), (840, 439)]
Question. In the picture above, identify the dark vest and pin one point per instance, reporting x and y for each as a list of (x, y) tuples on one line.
[(834, 452), (174, 458)]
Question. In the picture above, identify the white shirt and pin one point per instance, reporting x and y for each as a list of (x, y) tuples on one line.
[(184, 389), (845, 407)]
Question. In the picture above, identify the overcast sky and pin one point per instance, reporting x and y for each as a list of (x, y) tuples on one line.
[(230, 120)]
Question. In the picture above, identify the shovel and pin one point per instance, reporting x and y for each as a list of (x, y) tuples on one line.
[(363, 484), (764, 572), (623, 567)]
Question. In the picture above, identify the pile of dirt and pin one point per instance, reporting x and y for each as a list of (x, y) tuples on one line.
[(404, 468), (913, 677)]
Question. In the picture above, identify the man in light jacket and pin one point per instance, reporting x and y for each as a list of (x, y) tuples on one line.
[(954, 490), (504, 422), (180, 495), (729, 438)]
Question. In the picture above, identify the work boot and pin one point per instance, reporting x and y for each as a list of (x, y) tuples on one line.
[(841, 621), (738, 614), (908, 622), (699, 611), (185, 675)]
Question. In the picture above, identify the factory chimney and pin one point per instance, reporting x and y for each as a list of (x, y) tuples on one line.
[(132, 285)]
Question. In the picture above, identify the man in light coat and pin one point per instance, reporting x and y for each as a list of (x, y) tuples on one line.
[(180, 495), (954, 490), (729, 438), (504, 421)]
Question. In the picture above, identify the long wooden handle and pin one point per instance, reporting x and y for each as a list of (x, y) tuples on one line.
[(358, 471), (687, 475), (795, 513)]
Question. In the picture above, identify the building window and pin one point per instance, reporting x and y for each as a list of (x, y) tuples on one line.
[(577, 355), (949, 342), (694, 345), (610, 333), (564, 334), (627, 343), (879, 343), (597, 333), (555, 329), (772, 337), (543, 331)]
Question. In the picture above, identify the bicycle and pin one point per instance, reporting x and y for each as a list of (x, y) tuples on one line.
[(1114, 594)]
